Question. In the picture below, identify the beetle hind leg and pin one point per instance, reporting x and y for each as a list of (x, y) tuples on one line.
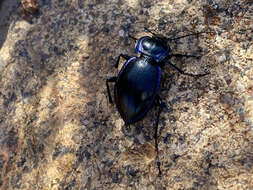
[(161, 105), (111, 79)]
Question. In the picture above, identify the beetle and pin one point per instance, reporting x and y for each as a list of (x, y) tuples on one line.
[(138, 81)]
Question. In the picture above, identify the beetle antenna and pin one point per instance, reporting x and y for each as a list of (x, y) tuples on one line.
[(171, 39), (163, 38), (194, 34), (147, 30), (135, 39)]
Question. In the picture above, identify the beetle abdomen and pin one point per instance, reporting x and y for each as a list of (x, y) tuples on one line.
[(136, 88)]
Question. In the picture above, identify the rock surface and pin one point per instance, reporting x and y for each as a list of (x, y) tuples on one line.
[(58, 130)]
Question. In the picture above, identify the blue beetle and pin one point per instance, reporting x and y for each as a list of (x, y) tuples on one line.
[(138, 81)]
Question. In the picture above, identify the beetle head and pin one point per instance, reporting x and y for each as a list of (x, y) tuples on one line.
[(154, 47)]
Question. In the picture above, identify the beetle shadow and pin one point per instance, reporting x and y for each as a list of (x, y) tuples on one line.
[(6, 9)]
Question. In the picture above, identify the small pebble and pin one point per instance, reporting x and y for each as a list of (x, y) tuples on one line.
[(121, 33)]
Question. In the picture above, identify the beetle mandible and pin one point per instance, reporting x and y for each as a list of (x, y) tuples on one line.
[(138, 82)]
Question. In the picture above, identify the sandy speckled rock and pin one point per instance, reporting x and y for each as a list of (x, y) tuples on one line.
[(58, 130)]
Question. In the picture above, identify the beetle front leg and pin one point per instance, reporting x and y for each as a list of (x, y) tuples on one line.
[(126, 57), (111, 79), (188, 74)]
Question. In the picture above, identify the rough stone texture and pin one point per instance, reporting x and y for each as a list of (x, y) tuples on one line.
[(58, 130)]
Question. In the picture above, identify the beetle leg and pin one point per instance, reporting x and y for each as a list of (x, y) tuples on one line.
[(188, 74), (160, 104), (111, 79), (126, 57)]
